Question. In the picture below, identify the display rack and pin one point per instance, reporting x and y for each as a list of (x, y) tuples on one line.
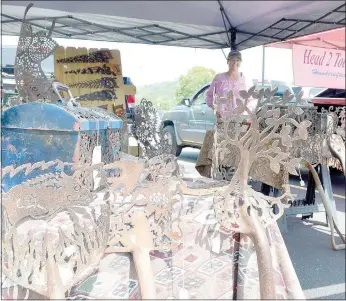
[(93, 75)]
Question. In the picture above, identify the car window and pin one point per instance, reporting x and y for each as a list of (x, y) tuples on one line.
[(332, 93), (201, 97), (314, 91)]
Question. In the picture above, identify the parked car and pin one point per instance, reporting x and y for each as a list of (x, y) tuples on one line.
[(186, 125), (309, 92), (329, 97)]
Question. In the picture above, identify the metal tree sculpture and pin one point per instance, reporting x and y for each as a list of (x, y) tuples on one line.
[(265, 133)]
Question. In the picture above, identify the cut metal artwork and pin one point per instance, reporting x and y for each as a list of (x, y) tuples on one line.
[(51, 244), (87, 143), (254, 141), (337, 121), (91, 113), (151, 187), (325, 125), (114, 145), (54, 228), (110, 146), (103, 82), (148, 130), (142, 217), (336, 135), (33, 48), (105, 70), (311, 148), (121, 113), (103, 95), (265, 133), (100, 56)]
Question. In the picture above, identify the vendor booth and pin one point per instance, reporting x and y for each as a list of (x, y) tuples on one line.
[(318, 61), (82, 219)]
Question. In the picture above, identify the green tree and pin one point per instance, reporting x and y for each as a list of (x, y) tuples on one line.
[(195, 78)]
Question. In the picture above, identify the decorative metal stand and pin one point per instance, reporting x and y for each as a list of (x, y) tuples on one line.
[(293, 124), (324, 145)]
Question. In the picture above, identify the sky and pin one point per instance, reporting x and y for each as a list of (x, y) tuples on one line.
[(148, 64)]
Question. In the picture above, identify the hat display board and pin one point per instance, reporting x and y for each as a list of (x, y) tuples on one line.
[(93, 75)]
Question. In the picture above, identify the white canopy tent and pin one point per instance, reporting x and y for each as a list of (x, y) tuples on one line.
[(198, 24)]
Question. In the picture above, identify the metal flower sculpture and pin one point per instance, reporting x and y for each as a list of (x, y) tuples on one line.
[(55, 228), (32, 49), (266, 133)]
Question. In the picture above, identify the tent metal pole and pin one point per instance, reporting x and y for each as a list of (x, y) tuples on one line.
[(224, 54), (263, 64)]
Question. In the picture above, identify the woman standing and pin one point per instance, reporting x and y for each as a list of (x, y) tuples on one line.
[(223, 83), (232, 80)]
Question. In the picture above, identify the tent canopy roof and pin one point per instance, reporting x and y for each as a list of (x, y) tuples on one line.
[(330, 39), (198, 24)]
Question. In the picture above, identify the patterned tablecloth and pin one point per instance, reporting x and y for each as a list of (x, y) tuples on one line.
[(203, 269)]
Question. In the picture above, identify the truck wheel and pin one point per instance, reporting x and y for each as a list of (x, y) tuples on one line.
[(169, 135)]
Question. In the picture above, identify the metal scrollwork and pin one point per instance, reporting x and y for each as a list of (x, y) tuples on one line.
[(337, 122), (148, 129), (55, 229), (113, 147), (152, 187), (32, 49)]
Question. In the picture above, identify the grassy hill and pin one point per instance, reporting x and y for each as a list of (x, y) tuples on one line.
[(162, 95)]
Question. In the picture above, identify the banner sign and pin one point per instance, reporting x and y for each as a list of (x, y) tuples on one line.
[(318, 67)]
